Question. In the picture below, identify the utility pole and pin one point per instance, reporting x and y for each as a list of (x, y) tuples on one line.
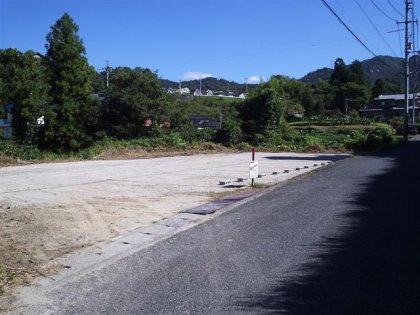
[(415, 71), (346, 106), (200, 85), (246, 85), (108, 70), (408, 7)]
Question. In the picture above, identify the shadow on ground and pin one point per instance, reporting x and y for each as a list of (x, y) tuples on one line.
[(373, 266), (332, 158)]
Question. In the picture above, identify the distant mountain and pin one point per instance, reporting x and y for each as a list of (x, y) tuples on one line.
[(320, 74), (384, 67), (212, 84), (380, 67)]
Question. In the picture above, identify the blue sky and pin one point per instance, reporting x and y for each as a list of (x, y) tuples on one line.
[(230, 39)]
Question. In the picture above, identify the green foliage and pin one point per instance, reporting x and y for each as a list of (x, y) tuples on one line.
[(362, 138), (23, 84), (230, 134), (70, 76), (381, 67), (397, 123), (313, 77), (382, 86), (135, 103), (207, 106), (350, 87), (11, 149), (192, 134), (299, 96), (262, 113), (322, 120), (377, 138)]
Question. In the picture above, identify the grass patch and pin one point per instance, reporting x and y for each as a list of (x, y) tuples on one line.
[(259, 185)]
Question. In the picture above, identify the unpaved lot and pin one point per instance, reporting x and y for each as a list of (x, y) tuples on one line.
[(49, 210)]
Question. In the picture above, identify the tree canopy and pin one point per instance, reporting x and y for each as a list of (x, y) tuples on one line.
[(136, 102), (23, 84), (69, 76), (349, 85)]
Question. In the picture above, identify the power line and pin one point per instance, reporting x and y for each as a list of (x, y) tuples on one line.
[(348, 28), (395, 9), (374, 26), (380, 10)]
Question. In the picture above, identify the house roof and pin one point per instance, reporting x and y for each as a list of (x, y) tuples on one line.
[(396, 97)]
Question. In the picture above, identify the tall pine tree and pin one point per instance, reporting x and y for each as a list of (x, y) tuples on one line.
[(71, 105)]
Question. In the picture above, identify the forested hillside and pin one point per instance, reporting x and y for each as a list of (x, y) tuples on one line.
[(386, 68)]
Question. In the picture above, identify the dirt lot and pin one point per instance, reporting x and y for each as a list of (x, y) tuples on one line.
[(51, 210)]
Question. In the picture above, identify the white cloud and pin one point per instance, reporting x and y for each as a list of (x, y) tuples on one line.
[(256, 79), (192, 75)]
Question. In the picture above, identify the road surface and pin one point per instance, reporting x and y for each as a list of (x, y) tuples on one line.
[(342, 240)]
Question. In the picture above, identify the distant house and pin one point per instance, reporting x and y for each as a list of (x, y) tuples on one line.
[(209, 93), (197, 92), (183, 91), (205, 122), (391, 105)]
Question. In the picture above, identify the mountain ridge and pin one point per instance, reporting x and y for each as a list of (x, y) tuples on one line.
[(384, 67), (380, 67)]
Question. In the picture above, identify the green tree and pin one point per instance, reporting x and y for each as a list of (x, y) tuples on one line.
[(24, 85), (358, 73), (71, 106), (341, 73), (136, 103), (382, 86), (323, 94), (262, 113), (298, 96), (350, 87)]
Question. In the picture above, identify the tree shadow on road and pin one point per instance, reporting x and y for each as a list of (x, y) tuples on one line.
[(373, 265)]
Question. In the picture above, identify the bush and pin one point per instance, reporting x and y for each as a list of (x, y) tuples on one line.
[(191, 134), (375, 139), (397, 123), (25, 152), (230, 134)]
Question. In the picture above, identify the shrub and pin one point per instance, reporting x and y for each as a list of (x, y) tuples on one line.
[(230, 134), (375, 139), (397, 123)]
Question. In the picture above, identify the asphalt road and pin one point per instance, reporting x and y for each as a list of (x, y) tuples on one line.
[(342, 240)]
